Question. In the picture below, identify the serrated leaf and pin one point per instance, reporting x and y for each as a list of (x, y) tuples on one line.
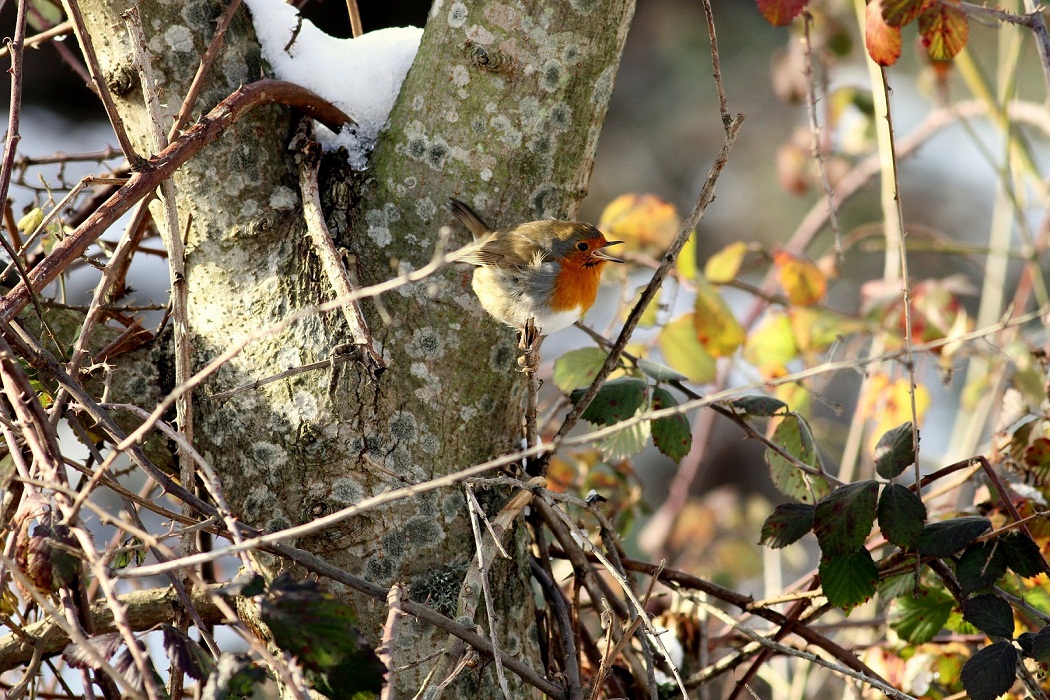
[(898, 13), (578, 368), (625, 443), (843, 518), (104, 645), (1037, 645), (787, 524), (801, 280), (190, 656), (990, 672), (1022, 554), (944, 29), (990, 614), (949, 536), (779, 13), (917, 619), (882, 41), (980, 566), (659, 372), (771, 345), (793, 435), (616, 401), (723, 266), (717, 329), (902, 515), (759, 406), (849, 580), (895, 451), (671, 435), (682, 351)]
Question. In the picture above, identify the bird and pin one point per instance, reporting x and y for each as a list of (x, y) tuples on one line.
[(547, 271)]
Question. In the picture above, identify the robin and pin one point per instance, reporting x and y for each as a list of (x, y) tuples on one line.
[(545, 270)]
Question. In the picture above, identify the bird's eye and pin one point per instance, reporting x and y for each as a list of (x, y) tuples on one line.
[(581, 246)]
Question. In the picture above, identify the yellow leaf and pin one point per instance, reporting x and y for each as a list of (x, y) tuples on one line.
[(643, 221), (716, 327), (686, 262), (683, 352), (771, 345), (796, 396), (648, 319), (29, 222), (802, 281), (723, 265), (888, 402), (816, 329)]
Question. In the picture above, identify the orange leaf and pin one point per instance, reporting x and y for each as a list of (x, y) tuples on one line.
[(643, 221), (944, 30), (801, 280), (882, 40), (779, 13), (716, 327)]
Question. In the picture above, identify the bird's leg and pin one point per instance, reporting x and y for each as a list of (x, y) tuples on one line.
[(530, 363)]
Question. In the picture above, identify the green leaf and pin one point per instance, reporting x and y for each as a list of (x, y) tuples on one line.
[(898, 13), (895, 451), (918, 619), (672, 434), (682, 351), (191, 656), (659, 372), (236, 676), (947, 537), (901, 515), (990, 614), (849, 580), (843, 518), (132, 550), (318, 629), (625, 443), (1036, 646), (759, 406), (793, 435), (787, 524), (990, 672), (980, 566), (616, 401), (1022, 554), (894, 586), (578, 368)]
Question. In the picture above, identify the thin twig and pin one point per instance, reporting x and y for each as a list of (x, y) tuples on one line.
[(161, 167), (385, 650), (355, 18), (101, 89), (308, 153)]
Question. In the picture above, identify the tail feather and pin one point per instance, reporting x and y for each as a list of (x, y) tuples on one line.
[(470, 219)]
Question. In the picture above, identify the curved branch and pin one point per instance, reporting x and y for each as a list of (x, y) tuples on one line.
[(161, 167)]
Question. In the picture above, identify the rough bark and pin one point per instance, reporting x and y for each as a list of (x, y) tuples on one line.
[(503, 108)]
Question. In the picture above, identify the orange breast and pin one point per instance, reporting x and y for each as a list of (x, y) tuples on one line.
[(576, 286)]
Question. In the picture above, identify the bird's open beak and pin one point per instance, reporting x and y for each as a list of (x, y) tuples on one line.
[(602, 255)]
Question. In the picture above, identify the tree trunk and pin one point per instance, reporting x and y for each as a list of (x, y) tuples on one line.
[(502, 108)]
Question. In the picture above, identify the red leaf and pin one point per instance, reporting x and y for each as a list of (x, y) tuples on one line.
[(882, 40), (779, 13), (944, 30)]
